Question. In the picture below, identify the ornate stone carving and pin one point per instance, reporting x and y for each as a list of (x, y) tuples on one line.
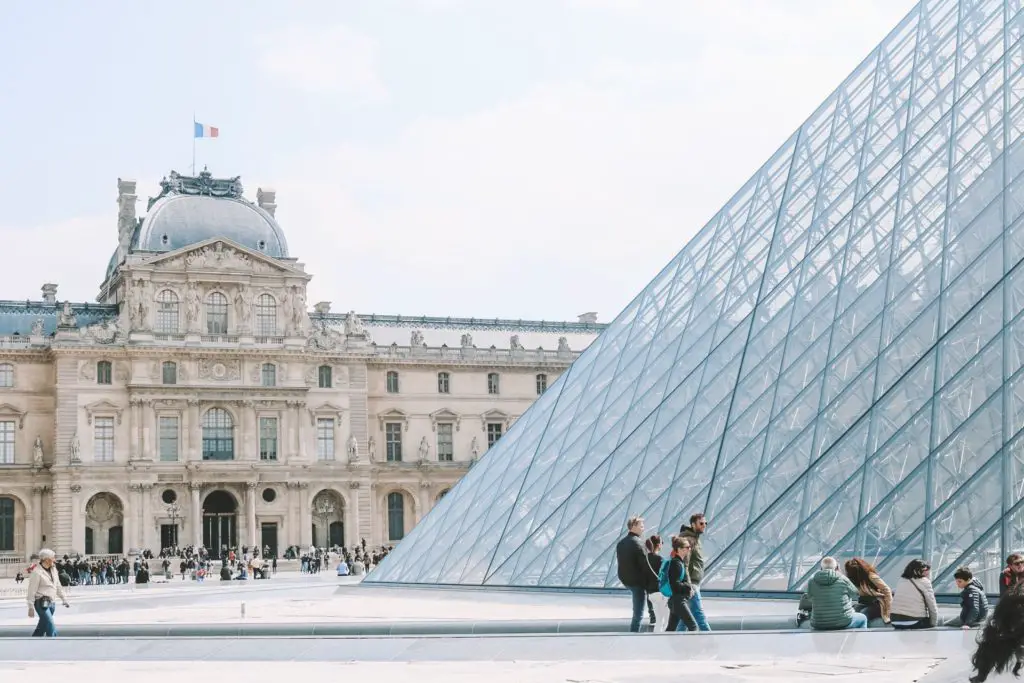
[(192, 402), (37, 452), (193, 306), (323, 338), (354, 326), (295, 311), (424, 449), (416, 338), (311, 375), (66, 318), (474, 448), (195, 486), (251, 485), (353, 484), (75, 448), (425, 485), (122, 371), (466, 341), (37, 327), (87, 371), (446, 416), (101, 333), (514, 344), (219, 256), (220, 371), (75, 488), (138, 304), (243, 308), (371, 449), (103, 407), (353, 449), (563, 345), (202, 184)]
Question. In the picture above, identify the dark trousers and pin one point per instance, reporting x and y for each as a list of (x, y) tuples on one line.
[(679, 615), (923, 622)]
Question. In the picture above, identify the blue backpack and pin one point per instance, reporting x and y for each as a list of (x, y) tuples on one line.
[(663, 585)]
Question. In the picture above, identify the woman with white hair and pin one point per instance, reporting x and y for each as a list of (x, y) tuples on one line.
[(43, 590)]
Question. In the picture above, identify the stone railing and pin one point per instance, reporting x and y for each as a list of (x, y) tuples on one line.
[(471, 353), (15, 341)]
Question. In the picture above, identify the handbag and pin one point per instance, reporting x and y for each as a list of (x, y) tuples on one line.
[(931, 617)]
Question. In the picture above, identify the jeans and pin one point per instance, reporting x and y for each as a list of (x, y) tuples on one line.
[(45, 627), (639, 605), (858, 621), (697, 608)]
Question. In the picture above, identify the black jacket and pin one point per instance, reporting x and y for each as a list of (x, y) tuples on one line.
[(632, 559), (973, 604), (654, 560), (677, 579)]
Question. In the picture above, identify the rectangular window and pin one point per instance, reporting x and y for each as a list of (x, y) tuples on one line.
[(324, 373), (542, 383), (392, 381), (7, 442), (492, 383), (268, 438), (269, 375), (325, 438), (168, 439), (443, 385), (103, 373), (493, 433), (170, 373), (103, 439), (393, 440), (445, 443)]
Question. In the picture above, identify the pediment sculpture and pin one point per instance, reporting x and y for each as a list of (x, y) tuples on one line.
[(218, 256)]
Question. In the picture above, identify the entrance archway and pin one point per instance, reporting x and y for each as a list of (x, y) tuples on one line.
[(104, 525), (220, 528), (328, 510)]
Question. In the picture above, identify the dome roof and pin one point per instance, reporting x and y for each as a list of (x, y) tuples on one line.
[(178, 220)]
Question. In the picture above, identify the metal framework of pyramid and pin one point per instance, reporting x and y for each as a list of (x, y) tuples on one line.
[(831, 366)]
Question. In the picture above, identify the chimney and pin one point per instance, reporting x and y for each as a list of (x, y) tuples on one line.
[(267, 199), (125, 216), (323, 308), (49, 293), (588, 318)]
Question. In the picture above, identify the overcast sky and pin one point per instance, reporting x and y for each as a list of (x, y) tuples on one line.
[(521, 159)]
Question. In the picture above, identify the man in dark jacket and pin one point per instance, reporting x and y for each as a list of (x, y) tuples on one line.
[(973, 601), (695, 570), (633, 568)]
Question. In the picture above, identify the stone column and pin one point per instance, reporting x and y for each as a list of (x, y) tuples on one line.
[(291, 529), (196, 514), (250, 512), (147, 516), (251, 437), (424, 503), (134, 429), (147, 431), (352, 514), (77, 519), (305, 516), (296, 420), (195, 431), (34, 522)]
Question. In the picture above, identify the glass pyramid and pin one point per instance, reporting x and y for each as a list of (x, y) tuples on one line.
[(833, 365)]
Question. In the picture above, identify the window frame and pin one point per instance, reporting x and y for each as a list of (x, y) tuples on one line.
[(168, 312), (103, 432), (322, 372), (165, 437), (265, 315), (8, 441), (104, 372), (6, 375), (542, 382), (326, 439), (395, 515), (218, 439), (217, 318), (494, 432), (391, 382), (493, 384), (269, 443), (393, 446), (173, 367), (446, 453), (268, 379), (444, 382)]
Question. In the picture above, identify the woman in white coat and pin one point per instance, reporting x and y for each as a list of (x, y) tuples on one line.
[(43, 590)]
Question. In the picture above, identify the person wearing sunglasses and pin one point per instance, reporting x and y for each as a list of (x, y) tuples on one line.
[(1013, 574)]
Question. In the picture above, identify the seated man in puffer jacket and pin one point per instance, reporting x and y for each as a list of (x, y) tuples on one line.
[(832, 597), (973, 601)]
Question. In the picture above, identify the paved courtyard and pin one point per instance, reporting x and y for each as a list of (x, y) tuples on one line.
[(877, 656)]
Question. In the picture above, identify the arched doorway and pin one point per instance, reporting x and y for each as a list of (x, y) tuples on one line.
[(396, 516), (328, 510), (220, 532), (104, 525)]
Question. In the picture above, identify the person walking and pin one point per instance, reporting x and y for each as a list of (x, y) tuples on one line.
[(695, 570), (631, 556), (680, 616), (657, 603), (43, 590)]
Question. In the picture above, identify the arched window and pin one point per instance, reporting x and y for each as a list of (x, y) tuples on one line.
[(167, 312), (266, 316), (542, 383), (6, 524), (396, 516), (324, 376), (218, 435), (170, 372), (492, 383), (268, 375), (443, 383), (216, 313), (6, 375), (392, 382), (103, 373)]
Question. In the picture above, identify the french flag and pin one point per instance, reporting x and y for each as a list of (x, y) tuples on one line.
[(204, 131)]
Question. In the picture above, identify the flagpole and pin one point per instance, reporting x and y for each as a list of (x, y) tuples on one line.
[(193, 144)]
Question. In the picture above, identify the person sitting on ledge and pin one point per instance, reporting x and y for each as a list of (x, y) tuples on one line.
[(914, 606), (832, 598), (973, 601)]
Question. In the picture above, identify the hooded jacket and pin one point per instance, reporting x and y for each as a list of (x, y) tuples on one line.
[(973, 604), (696, 566), (832, 597)]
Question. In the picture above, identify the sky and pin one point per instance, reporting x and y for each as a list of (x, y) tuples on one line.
[(530, 159)]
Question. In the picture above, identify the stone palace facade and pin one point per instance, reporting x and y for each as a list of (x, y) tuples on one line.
[(201, 401)]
